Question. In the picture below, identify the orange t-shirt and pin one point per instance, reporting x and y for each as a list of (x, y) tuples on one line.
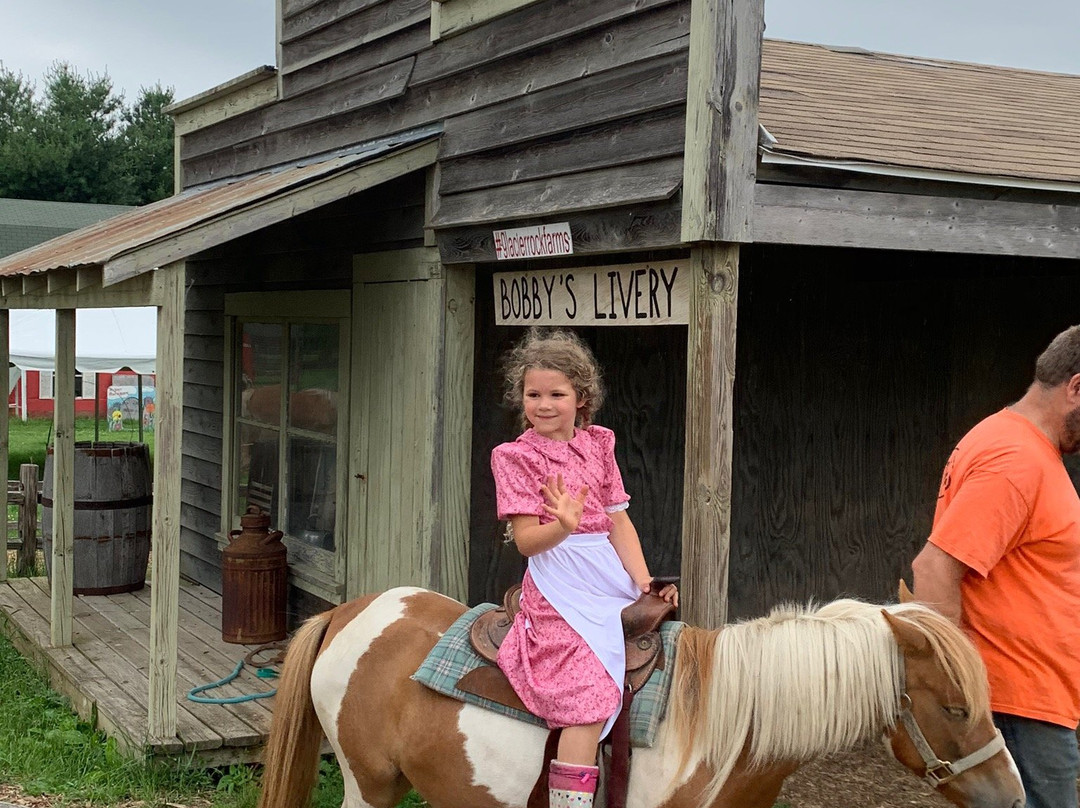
[(1008, 510)]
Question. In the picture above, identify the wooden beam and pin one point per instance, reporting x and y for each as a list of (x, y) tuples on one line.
[(449, 17), (63, 479), (5, 358), (87, 278), (416, 264), (35, 284), (795, 214), (710, 357), (57, 280), (722, 119), (431, 202), (165, 542), (136, 291), (641, 227), (287, 205), (635, 184)]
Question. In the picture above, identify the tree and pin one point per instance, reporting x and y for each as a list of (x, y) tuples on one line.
[(148, 145), (79, 143)]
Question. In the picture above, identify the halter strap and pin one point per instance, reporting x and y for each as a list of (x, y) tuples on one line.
[(939, 772)]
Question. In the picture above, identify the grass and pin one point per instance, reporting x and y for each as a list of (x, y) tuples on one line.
[(28, 440), (48, 751)]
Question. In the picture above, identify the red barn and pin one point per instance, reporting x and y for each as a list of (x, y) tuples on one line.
[(114, 357)]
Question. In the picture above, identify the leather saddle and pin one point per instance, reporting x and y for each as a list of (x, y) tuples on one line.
[(641, 621)]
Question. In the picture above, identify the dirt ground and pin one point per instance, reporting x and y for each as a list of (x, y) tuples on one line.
[(868, 778)]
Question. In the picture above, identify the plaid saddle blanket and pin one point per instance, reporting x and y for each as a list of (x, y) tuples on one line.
[(453, 657)]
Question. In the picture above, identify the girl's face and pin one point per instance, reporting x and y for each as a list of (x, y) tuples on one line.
[(551, 403)]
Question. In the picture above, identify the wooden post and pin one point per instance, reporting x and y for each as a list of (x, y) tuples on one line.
[(5, 358), (719, 172), (165, 539), (710, 358), (63, 479), (28, 526), (455, 422), (720, 155)]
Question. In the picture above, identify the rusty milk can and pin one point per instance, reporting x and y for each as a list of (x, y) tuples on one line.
[(254, 577)]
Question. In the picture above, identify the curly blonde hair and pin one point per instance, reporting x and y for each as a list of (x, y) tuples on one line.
[(554, 349)]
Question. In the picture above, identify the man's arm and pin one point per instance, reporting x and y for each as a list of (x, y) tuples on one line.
[(937, 580)]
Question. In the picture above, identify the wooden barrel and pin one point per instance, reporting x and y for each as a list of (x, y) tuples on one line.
[(113, 497)]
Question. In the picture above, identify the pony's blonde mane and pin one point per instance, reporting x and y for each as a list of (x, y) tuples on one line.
[(803, 682)]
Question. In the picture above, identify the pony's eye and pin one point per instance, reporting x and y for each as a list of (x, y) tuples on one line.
[(956, 712)]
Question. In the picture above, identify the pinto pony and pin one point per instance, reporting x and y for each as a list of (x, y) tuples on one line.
[(750, 703)]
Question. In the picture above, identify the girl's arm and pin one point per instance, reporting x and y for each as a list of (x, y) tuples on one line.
[(531, 537), (624, 538)]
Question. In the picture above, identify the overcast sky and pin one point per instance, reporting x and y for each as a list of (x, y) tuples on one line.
[(193, 45)]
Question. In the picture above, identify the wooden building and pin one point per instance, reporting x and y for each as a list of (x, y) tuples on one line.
[(862, 254)]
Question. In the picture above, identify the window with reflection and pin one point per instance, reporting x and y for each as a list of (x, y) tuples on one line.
[(287, 426)]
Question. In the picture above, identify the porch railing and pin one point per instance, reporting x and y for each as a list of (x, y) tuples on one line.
[(24, 532)]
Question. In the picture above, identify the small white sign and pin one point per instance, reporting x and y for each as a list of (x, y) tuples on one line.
[(631, 294), (542, 241)]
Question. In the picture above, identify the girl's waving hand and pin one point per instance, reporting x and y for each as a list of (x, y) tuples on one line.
[(563, 505)]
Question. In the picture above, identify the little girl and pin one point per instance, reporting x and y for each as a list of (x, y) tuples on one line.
[(559, 486)]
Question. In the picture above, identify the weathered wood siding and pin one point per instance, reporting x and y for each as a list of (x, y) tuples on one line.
[(200, 494), (555, 108), (857, 372), (313, 251)]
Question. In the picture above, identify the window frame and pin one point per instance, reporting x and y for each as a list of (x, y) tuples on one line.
[(46, 388), (320, 572)]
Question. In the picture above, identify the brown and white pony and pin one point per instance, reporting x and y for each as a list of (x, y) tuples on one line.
[(750, 703)]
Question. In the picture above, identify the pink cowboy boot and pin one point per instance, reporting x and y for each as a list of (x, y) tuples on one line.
[(570, 785)]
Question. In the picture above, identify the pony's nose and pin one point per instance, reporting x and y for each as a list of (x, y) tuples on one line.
[(1020, 803)]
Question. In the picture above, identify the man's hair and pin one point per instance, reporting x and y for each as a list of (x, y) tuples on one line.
[(1061, 359)]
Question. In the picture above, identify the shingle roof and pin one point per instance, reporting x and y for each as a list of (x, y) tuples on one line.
[(919, 113), (26, 222)]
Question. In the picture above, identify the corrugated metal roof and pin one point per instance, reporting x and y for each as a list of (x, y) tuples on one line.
[(109, 240), (922, 113)]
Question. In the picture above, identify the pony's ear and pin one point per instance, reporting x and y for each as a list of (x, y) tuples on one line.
[(908, 637), (904, 593)]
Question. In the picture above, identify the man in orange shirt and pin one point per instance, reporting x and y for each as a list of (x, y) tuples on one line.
[(1003, 560)]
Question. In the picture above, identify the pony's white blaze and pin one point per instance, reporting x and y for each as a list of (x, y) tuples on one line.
[(505, 754), (1012, 764), (335, 665)]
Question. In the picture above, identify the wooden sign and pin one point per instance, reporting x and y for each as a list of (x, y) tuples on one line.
[(630, 294)]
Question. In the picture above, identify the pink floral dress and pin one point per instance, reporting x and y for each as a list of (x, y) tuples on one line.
[(564, 654)]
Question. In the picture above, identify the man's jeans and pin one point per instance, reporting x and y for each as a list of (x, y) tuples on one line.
[(1047, 757)]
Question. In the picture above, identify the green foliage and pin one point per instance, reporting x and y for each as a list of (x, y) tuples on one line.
[(330, 791), (148, 145), (78, 142), (46, 749)]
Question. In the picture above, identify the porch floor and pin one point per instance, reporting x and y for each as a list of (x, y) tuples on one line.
[(105, 672)]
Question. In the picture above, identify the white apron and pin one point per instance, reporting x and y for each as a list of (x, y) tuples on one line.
[(583, 578)]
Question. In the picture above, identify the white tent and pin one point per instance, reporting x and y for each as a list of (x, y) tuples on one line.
[(106, 340)]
